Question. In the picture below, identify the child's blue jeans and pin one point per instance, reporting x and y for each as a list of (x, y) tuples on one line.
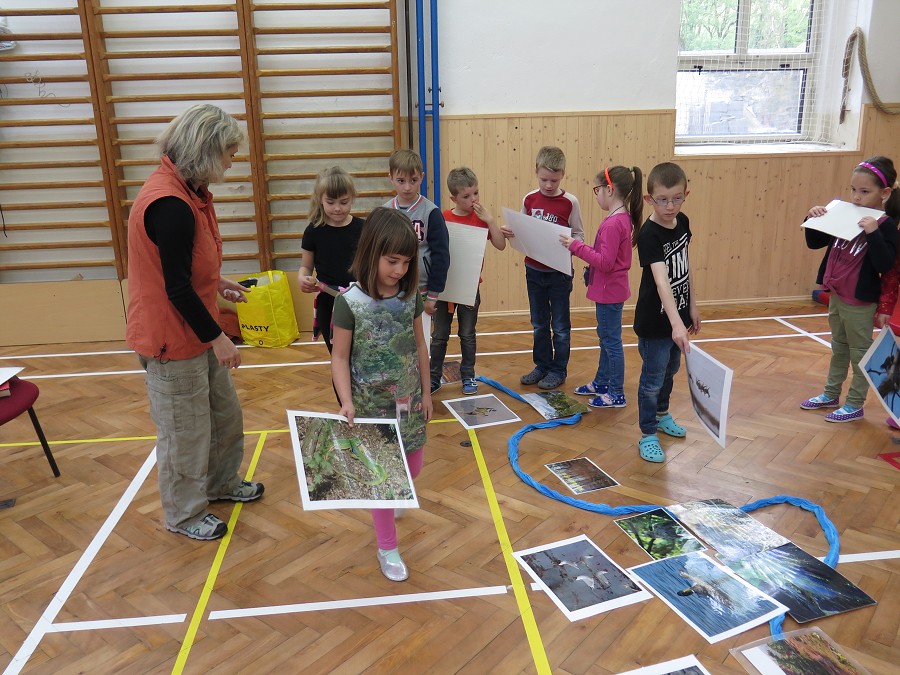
[(548, 300), (662, 358), (611, 371)]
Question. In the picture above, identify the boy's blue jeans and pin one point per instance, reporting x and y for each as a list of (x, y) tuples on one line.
[(611, 371), (466, 317), (548, 300), (662, 358)]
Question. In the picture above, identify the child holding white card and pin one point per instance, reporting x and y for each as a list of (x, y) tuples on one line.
[(467, 210), (852, 274)]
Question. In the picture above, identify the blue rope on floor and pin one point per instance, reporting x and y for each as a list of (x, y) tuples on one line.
[(776, 624)]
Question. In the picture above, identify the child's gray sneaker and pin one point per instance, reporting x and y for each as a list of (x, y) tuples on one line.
[(206, 529), (244, 492)]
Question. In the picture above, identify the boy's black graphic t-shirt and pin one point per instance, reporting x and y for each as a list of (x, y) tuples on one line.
[(659, 244)]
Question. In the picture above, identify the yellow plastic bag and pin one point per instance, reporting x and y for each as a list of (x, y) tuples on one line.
[(267, 318)]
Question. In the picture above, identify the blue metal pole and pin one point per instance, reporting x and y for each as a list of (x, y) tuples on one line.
[(420, 75), (435, 106)]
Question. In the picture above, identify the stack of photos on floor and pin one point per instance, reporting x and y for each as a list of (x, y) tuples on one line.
[(757, 574), (808, 587)]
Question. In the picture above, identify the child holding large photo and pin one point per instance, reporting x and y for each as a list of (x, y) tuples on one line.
[(380, 363), (666, 310)]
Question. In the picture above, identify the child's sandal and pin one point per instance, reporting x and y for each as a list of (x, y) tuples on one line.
[(650, 449), (668, 426)]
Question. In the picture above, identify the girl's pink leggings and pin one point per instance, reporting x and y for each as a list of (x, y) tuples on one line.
[(385, 531)]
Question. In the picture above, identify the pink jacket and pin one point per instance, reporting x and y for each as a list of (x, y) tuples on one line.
[(610, 260)]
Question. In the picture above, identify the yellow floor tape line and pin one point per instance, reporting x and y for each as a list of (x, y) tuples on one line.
[(512, 567), (200, 609)]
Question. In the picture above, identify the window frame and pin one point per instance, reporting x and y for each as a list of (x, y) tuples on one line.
[(743, 60)]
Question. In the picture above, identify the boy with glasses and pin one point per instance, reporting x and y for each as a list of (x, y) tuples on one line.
[(666, 311)]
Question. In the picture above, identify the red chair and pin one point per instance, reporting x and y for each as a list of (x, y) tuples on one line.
[(22, 396)]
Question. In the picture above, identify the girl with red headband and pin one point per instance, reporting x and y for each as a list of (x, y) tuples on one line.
[(852, 274), (619, 193)]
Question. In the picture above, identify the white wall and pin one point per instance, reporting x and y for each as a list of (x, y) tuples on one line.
[(588, 55), (498, 56), (884, 58)]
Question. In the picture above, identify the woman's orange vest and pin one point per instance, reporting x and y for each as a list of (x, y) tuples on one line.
[(155, 329)]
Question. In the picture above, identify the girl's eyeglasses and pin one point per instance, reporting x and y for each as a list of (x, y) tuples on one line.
[(662, 201), (597, 189)]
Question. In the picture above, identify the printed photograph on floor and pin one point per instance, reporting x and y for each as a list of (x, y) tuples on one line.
[(581, 475), (554, 404), (712, 599), (808, 587), (726, 528), (686, 665), (474, 412), (580, 579), (799, 652), (659, 534), (342, 468), (450, 372)]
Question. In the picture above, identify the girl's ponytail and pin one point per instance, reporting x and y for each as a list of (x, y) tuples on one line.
[(629, 185), (635, 204)]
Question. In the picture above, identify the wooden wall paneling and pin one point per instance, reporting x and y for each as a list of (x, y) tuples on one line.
[(28, 307), (880, 133), (494, 185), (51, 182)]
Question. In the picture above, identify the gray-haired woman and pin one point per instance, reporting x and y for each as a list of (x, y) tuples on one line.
[(174, 276)]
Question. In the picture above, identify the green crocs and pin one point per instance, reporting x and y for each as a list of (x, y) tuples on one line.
[(668, 426), (650, 449)]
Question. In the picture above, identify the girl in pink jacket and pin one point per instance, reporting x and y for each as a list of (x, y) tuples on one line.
[(619, 191)]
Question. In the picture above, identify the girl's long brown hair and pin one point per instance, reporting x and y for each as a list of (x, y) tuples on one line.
[(386, 232)]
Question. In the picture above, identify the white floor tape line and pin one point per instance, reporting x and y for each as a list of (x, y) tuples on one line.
[(44, 624), (357, 602)]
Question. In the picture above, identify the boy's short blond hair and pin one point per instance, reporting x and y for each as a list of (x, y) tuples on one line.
[(406, 162), (551, 158), (666, 175), (460, 178)]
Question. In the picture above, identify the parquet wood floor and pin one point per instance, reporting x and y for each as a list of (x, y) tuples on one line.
[(279, 555)]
